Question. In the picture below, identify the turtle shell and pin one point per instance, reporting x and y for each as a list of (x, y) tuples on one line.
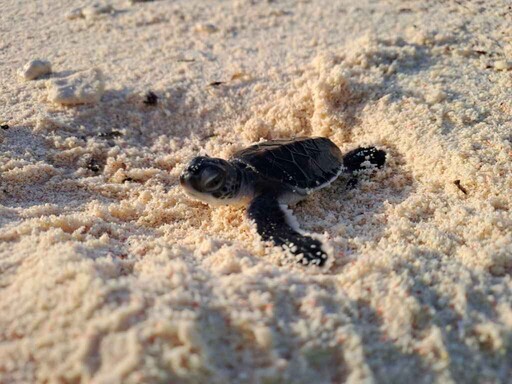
[(304, 163)]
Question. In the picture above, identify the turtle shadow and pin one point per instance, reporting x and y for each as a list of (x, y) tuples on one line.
[(354, 216)]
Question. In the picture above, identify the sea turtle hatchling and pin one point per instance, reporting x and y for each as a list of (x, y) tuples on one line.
[(271, 175)]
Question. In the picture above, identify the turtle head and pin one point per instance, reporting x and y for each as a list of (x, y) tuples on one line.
[(212, 180)]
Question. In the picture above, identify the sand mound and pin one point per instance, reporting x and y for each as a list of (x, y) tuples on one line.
[(109, 273)]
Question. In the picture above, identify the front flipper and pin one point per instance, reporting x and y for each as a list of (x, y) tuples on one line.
[(271, 224)]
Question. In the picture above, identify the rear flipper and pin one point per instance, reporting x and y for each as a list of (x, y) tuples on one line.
[(271, 224), (356, 159)]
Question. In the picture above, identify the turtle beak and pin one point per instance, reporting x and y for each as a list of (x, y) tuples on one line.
[(191, 173)]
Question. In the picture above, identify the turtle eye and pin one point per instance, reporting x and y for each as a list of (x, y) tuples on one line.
[(211, 179)]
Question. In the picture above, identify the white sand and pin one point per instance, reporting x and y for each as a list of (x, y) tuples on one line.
[(110, 274)]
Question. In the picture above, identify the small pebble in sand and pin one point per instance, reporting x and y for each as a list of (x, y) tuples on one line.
[(34, 69), (93, 165), (503, 65), (151, 98), (84, 87), (206, 28), (75, 14), (110, 135), (90, 12), (435, 96)]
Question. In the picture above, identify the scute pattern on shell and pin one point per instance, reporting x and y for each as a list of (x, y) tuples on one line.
[(303, 162)]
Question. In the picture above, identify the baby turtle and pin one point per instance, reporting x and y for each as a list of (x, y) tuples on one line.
[(271, 175)]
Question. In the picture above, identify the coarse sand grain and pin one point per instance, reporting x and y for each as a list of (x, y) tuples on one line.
[(110, 274)]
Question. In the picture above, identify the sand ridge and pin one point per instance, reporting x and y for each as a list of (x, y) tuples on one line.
[(109, 273)]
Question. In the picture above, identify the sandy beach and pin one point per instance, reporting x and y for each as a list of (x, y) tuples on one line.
[(110, 273)]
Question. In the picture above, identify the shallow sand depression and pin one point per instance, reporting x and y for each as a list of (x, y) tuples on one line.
[(109, 273)]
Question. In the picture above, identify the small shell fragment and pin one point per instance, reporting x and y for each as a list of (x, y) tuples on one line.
[(34, 69), (503, 65)]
